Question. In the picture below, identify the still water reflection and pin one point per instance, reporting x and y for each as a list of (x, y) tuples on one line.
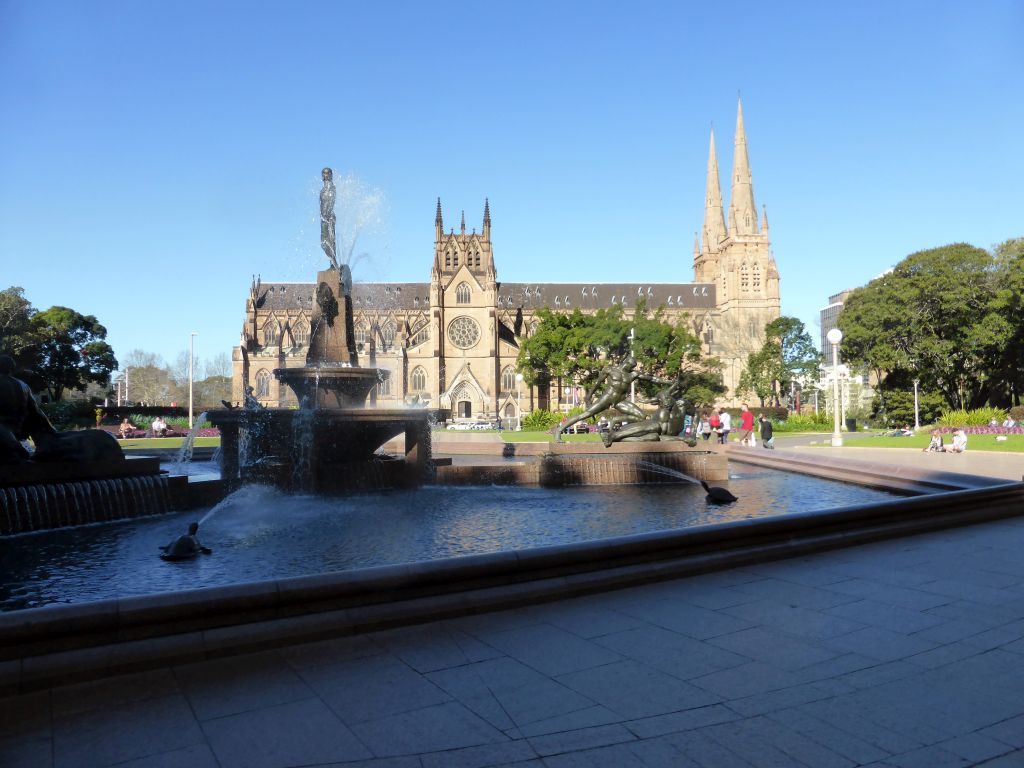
[(258, 533)]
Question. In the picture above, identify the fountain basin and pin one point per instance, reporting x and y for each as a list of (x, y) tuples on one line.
[(330, 450), (331, 386)]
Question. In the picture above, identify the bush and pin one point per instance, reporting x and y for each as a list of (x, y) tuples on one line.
[(70, 414), (899, 407), (541, 421), (798, 422), (1017, 413), (979, 417)]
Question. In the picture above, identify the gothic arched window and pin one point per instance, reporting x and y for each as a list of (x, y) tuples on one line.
[(270, 333), (756, 282), (476, 258), (744, 278), (448, 258), (360, 333), (384, 386), (387, 333), (418, 382), (300, 333), (263, 378), (508, 379), (462, 293)]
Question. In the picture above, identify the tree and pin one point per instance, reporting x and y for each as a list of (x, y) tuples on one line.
[(68, 350), (1008, 323), (15, 315), (577, 346), (932, 317), (148, 379), (788, 355)]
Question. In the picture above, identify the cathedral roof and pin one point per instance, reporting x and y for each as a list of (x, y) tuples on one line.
[(411, 296)]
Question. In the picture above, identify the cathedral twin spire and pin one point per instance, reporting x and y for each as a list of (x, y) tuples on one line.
[(742, 210)]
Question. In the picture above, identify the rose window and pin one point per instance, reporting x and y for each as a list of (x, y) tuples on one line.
[(464, 332)]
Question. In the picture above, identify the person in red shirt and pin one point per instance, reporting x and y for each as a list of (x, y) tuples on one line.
[(747, 426)]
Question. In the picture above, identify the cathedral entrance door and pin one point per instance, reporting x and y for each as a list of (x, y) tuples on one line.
[(465, 409)]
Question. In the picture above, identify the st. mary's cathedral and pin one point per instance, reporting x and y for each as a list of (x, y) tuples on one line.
[(451, 343)]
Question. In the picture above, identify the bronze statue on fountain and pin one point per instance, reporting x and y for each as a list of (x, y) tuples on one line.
[(331, 390)]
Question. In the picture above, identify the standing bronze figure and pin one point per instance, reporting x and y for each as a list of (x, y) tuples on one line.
[(328, 221)]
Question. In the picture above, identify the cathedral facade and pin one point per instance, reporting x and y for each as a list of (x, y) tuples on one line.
[(451, 343)]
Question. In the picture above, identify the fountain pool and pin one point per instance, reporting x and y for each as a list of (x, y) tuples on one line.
[(259, 533)]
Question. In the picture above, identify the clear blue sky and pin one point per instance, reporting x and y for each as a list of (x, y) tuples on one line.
[(153, 156)]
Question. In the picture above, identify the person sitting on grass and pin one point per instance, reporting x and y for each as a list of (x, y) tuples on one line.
[(959, 442), (935, 446), (1009, 423), (125, 428)]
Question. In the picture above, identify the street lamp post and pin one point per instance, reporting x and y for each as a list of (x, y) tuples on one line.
[(917, 413), (834, 337), (632, 385), (519, 408), (191, 347)]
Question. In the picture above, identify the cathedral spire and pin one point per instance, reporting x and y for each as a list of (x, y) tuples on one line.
[(463, 225), (764, 220), (438, 223), (486, 234), (742, 211), (714, 216)]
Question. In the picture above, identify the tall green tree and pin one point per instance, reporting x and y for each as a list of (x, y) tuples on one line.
[(933, 318), (577, 346), (1008, 323), (68, 350), (15, 316), (788, 355)]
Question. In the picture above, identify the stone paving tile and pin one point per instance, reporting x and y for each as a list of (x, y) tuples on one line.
[(431, 729), (584, 620), (433, 646), (844, 715), (227, 686), (480, 757), (196, 756), (114, 692), (983, 616), (694, 592), (1009, 731), (27, 715), (1013, 760), (881, 644), (843, 743), (671, 652), (327, 652), (549, 649), (775, 648), (580, 739), (592, 717), (975, 748), (26, 752), (706, 752), (686, 720), (102, 737), (928, 757), (916, 599), (297, 733), (773, 701), (690, 620), (633, 690), (747, 680), (796, 595), (614, 756), (813, 571), (507, 693), (385, 686), (878, 614), (407, 761), (764, 742), (799, 622)]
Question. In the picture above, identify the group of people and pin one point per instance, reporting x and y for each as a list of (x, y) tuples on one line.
[(1008, 422), (158, 428), (959, 444), (718, 422)]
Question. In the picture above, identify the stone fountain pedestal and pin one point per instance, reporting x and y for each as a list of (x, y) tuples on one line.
[(324, 451)]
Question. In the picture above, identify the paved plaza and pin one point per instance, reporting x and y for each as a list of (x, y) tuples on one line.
[(908, 652)]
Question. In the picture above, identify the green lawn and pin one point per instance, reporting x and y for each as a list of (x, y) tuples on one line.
[(168, 442), (1012, 444)]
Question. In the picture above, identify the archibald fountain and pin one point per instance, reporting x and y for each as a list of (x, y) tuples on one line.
[(328, 444)]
